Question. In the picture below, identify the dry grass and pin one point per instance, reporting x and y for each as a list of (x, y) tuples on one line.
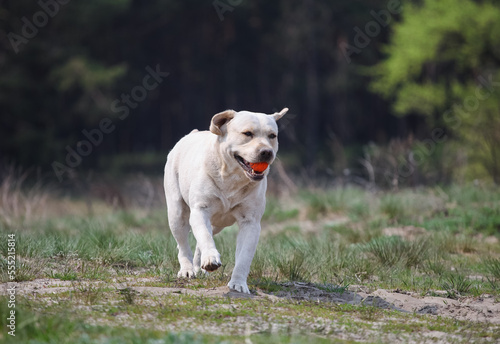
[(21, 201)]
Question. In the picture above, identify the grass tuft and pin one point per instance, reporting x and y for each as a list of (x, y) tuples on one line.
[(393, 250), (293, 266), (332, 288), (128, 295), (456, 285), (68, 274), (492, 266)]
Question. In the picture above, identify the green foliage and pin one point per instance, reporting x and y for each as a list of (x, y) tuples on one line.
[(430, 33), (78, 72), (442, 62), (93, 81)]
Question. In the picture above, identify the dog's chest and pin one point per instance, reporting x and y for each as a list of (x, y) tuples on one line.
[(230, 208), (230, 199)]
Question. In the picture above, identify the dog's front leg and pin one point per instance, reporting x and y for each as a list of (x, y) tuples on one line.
[(202, 231), (246, 244)]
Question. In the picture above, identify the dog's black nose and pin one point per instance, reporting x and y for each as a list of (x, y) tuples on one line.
[(266, 155)]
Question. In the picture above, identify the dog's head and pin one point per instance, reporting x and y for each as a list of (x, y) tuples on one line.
[(248, 139)]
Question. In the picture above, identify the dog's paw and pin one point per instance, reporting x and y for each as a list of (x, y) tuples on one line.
[(186, 273), (210, 261), (239, 286)]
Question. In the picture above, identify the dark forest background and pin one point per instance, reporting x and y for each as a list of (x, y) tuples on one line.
[(380, 92)]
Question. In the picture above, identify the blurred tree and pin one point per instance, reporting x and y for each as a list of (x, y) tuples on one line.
[(443, 62), (56, 74), (262, 56)]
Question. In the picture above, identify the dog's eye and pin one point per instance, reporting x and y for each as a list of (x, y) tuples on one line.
[(248, 133), (272, 136)]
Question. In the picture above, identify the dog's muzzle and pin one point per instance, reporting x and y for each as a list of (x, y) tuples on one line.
[(250, 172)]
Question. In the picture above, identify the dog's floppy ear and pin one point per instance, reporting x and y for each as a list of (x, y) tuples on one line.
[(220, 119), (278, 115)]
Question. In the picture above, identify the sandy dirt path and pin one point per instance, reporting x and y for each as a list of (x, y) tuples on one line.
[(483, 309)]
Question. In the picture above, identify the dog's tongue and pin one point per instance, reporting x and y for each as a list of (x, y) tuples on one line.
[(259, 166)]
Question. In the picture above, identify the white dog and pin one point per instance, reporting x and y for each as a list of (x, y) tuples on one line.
[(216, 178)]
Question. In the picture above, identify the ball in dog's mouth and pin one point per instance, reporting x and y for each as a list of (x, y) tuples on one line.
[(259, 166), (254, 170)]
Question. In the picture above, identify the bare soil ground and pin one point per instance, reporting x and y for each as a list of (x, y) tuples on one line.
[(483, 309)]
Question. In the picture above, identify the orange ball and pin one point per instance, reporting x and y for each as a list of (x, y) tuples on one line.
[(259, 166)]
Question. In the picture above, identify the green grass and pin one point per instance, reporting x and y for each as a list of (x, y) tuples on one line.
[(392, 250), (64, 328), (122, 246), (457, 285), (492, 267), (101, 247), (275, 212)]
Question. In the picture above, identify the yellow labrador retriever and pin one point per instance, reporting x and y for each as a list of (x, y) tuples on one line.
[(211, 182)]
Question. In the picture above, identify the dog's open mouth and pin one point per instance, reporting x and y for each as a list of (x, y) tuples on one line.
[(251, 173)]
